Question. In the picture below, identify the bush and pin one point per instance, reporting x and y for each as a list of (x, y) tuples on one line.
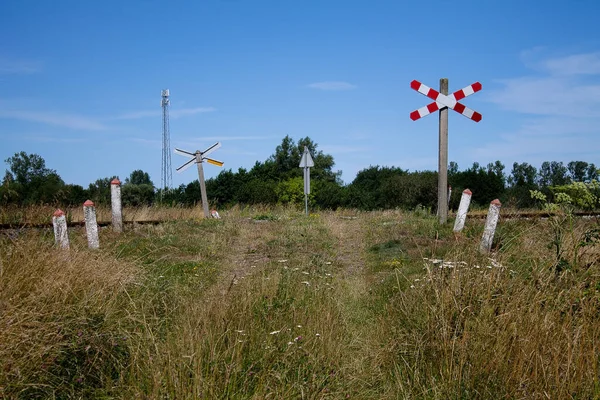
[(582, 195)]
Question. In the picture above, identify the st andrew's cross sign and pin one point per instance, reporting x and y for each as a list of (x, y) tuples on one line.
[(442, 102)]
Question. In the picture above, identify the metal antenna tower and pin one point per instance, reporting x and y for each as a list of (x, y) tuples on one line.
[(166, 177)]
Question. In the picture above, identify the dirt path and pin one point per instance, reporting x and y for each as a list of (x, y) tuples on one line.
[(248, 253), (348, 233)]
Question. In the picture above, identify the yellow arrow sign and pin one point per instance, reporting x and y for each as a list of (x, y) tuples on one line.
[(214, 162)]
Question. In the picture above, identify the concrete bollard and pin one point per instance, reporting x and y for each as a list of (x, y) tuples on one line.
[(91, 226), (490, 226), (463, 208), (115, 201), (61, 235)]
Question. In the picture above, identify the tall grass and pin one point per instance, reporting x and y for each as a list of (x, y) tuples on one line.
[(268, 303), (38, 215), (64, 328)]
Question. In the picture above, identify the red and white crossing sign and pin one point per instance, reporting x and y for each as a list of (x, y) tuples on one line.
[(442, 100)]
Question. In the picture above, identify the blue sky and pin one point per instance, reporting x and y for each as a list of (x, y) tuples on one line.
[(80, 81)]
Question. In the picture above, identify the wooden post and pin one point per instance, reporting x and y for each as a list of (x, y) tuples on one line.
[(115, 201), (490, 226), (91, 226), (202, 185), (61, 234), (449, 196), (443, 158), (463, 208)]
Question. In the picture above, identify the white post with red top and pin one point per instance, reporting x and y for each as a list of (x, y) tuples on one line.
[(91, 225), (61, 236), (115, 201), (490, 226), (463, 208)]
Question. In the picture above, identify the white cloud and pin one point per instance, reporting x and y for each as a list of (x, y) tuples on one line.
[(177, 113), (140, 114), (544, 139), (332, 85), (47, 139), (191, 111), (50, 139), (559, 90), (577, 64), (11, 66), (86, 123), (52, 118), (561, 108), (548, 96)]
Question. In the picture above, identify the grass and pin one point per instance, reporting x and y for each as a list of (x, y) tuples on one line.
[(269, 303)]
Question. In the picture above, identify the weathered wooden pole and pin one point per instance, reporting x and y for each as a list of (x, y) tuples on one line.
[(490, 226), (198, 157), (202, 185), (115, 201), (443, 101), (91, 226), (61, 234), (443, 158), (463, 208)]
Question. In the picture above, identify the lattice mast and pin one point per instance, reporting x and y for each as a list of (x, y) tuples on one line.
[(166, 177)]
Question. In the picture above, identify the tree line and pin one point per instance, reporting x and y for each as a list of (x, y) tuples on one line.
[(279, 180)]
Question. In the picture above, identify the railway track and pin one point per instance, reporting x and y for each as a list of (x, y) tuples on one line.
[(73, 224), (529, 215), (451, 216)]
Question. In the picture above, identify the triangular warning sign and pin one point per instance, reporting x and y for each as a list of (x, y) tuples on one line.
[(306, 161)]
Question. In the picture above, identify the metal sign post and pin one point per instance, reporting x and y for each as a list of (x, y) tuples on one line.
[(199, 157), (444, 101), (306, 162)]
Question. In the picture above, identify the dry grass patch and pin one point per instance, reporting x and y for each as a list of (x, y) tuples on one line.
[(61, 318), (269, 303)]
